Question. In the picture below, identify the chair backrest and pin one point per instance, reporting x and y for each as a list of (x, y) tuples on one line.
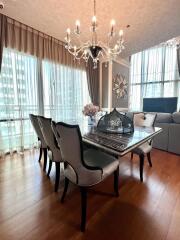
[(35, 123), (48, 134), (144, 119), (70, 142), (53, 126)]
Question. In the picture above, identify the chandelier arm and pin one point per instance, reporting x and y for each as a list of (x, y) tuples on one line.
[(112, 51), (109, 52), (77, 37), (82, 56), (78, 48)]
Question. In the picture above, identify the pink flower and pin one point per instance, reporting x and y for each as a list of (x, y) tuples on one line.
[(90, 110)]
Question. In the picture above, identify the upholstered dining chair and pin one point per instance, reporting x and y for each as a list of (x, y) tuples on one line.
[(54, 152), (83, 168), (143, 120), (41, 142)]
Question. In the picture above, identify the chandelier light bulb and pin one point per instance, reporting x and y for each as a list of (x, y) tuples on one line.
[(94, 23), (113, 22), (94, 20), (68, 31), (116, 47), (121, 33), (77, 26), (112, 27), (77, 23)]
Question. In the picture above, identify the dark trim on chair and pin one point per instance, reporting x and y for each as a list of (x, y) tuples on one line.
[(45, 159), (50, 166), (149, 158), (116, 182), (66, 184), (40, 153), (83, 191), (57, 176), (141, 158)]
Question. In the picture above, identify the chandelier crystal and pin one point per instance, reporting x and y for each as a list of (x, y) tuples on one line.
[(174, 42), (94, 48)]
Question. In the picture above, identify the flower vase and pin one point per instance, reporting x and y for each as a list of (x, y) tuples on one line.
[(91, 120)]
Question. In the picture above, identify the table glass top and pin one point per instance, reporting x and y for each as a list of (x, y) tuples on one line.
[(119, 143)]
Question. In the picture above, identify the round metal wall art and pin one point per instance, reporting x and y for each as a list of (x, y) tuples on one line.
[(120, 86)]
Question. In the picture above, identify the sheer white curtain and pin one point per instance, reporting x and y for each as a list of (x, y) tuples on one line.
[(154, 73), (18, 98), (65, 91), (30, 85)]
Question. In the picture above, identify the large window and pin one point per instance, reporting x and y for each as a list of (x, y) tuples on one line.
[(18, 97), (154, 73), (28, 85), (65, 91)]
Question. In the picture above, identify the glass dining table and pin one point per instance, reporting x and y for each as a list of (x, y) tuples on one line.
[(114, 143)]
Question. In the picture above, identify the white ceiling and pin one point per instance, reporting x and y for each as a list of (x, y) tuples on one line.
[(151, 21)]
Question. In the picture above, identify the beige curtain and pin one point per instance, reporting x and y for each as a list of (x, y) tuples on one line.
[(16, 35), (178, 58), (3, 24), (93, 81)]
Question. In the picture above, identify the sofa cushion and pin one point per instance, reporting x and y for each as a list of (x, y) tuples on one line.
[(176, 117), (160, 141), (144, 119), (139, 119), (174, 136), (164, 118)]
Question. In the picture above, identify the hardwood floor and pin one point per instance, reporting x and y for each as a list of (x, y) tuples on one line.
[(29, 208)]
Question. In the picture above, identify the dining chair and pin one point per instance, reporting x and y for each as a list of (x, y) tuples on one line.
[(143, 120), (83, 168), (41, 142), (54, 152)]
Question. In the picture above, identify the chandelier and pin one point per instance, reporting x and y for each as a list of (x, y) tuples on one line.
[(174, 42), (93, 48)]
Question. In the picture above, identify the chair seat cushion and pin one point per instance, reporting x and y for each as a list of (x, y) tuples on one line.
[(143, 149), (95, 168), (100, 160)]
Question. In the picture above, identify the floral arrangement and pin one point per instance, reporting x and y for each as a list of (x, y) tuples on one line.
[(90, 110)]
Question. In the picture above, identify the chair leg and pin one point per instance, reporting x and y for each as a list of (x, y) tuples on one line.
[(132, 155), (149, 159), (66, 184), (40, 154), (45, 159), (49, 169), (83, 208), (116, 182), (141, 166), (57, 176)]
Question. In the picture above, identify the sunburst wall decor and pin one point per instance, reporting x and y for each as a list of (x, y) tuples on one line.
[(120, 86)]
